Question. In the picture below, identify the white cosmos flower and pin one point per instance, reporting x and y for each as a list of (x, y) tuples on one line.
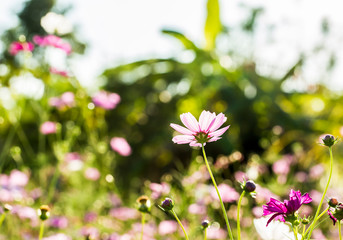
[(276, 230)]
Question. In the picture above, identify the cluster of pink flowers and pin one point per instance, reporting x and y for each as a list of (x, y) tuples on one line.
[(12, 186), (52, 41)]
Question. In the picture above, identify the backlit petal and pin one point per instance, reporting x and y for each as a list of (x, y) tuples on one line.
[(181, 129)]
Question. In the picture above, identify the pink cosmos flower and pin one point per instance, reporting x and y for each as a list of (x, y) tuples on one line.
[(124, 213), (199, 133), (17, 47), (58, 236), (67, 99), (121, 146), (106, 100), (216, 233), (92, 174), (281, 210), (53, 41), (48, 128)]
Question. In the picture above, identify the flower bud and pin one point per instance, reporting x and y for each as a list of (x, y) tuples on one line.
[(144, 204), (329, 140), (167, 204), (205, 224), (296, 223), (333, 202), (7, 207), (44, 212), (249, 186), (305, 221)]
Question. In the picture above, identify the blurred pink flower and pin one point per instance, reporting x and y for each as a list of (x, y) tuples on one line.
[(18, 178), (58, 236), (282, 166), (59, 72), (198, 133), (316, 196), (67, 99), (48, 128), (121, 146), (167, 227), (227, 193), (53, 41), (198, 209), (124, 213), (92, 174), (159, 189), (257, 212), (106, 100), (90, 217), (301, 176), (60, 222), (90, 232), (263, 194), (17, 47), (12, 186), (216, 233), (26, 213), (240, 176), (316, 171)]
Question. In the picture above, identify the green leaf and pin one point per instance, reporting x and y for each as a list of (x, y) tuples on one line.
[(184, 40), (213, 25)]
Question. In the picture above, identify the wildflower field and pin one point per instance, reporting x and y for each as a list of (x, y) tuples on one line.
[(162, 148)]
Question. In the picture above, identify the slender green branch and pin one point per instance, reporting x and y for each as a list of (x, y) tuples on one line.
[(324, 193), (143, 220), (177, 219), (41, 230), (238, 217), (220, 199), (205, 234), (320, 215), (295, 231)]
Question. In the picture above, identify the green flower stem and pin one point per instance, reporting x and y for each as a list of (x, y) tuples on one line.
[(177, 219), (324, 193), (220, 199), (339, 230), (41, 230), (238, 218), (205, 234), (303, 234), (143, 220), (2, 218), (295, 231)]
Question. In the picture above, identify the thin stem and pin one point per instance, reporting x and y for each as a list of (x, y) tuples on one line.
[(339, 230), (41, 230), (220, 199), (143, 220), (303, 234), (320, 215), (295, 231), (177, 219), (324, 193), (205, 234), (2, 218), (238, 218)]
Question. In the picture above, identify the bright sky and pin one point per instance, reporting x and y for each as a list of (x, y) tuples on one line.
[(124, 31)]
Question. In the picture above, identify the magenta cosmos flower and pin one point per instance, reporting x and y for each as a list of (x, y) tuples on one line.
[(282, 210), (199, 133), (17, 47)]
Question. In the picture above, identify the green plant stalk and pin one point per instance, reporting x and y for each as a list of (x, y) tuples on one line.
[(238, 218), (320, 215), (295, 231), (205, 234), (177, 219), (143, 220), (41, 230), (339, 230), (220, 199), (324, 193), (2, 218)]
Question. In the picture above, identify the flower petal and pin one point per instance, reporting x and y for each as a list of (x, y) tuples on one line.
[(205, 120), (305, 199), (183, 139), (181, 129), (219, 120), (195, 144), (219, 132), (190, 122), (214, 139)]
